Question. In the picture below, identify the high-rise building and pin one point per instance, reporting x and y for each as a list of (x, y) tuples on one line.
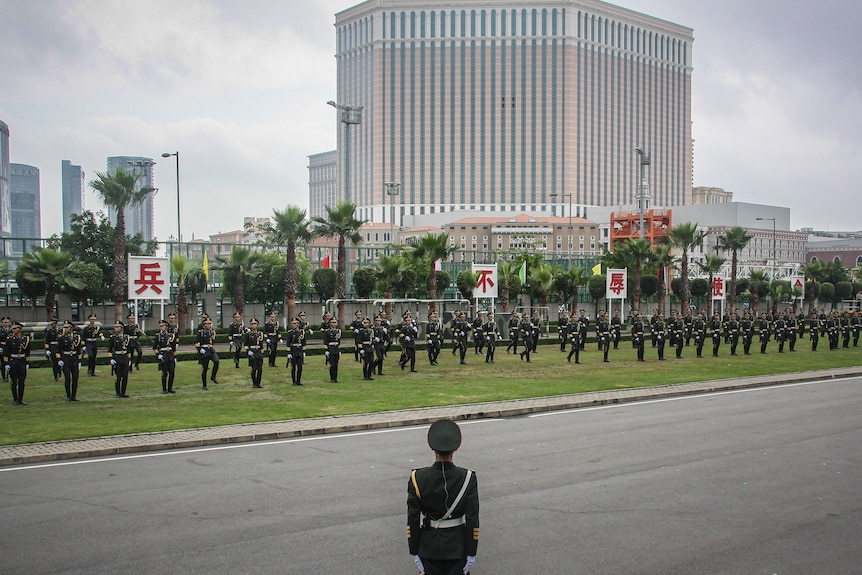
[(510, 105), (140, 218), (72, 193), (25, 214), (5, 222), (322, 183)]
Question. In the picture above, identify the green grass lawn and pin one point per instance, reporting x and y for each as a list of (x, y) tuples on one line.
[(48, 416)]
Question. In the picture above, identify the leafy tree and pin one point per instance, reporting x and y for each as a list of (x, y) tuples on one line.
[(465, 281), (812, 292), (364, 279), (699, 287), (510, 283), (340, 223), (325, 282), (649, 285), (734, 240), (662, 259), (758, 287), (236, 270), (92, 280), (827, 291), (54, 270), (781, 292), (568, 282), (117, 190), (429, 249), (684, 237), (389, 270), (181, 268), (290, 230), (596, 286), (843, 290), (541, 280)]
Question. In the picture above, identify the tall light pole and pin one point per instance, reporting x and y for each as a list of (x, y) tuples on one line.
[(569, 195), (773, 242), (349, 115), (179, 227), (643, 188), (392, 188)]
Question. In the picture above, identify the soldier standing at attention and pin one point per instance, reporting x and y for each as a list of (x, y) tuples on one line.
[(687, 325), (660, 333), (332, 348), (715, 328), (562, 328), (698, 328), (845, 328), (366, 349), (118, 348), (295, 343), (355, 326), (574, 337), (378, 343), (792, 328), (616, 329), (638, 335), (135, 334), (434, 334), (5, 332), (603, 333), (234, 335), (763, 330), (69, 348), (514, 332), (51, 336), (780, 329), (443, 508), (408, 334), (855, 326), (746, 328), (814, 331), (164, 347), (16, 360), (270, 330), (491, 335), (733, 333), (173, 328), (92, 335), (253, 342), (205, 344)]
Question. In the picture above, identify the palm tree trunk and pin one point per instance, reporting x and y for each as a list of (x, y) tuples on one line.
[(120, 271), (432, 289), (342, 277), (290, 281), (182, 309), (50, 296), (685, 289)]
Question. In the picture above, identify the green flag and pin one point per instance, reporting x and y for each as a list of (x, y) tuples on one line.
[(522, 273)]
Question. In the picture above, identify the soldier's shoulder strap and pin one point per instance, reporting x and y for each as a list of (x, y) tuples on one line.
[(415, 485)]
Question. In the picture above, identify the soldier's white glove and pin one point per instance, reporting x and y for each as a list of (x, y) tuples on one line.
[(113, 362), (488, 338), (326, 353), (280, 340), (8, 367), (303, 355), (362, 352), (60, 362), (268, 340), (429, 342), (376, 340), (203, 351), (160, 357), (102, 336), (471, 560), (48, 353), (406, 338), (79, 365), (418, 562), (250, 353)]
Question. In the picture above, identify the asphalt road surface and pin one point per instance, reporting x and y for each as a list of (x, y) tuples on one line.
[(762, 481)]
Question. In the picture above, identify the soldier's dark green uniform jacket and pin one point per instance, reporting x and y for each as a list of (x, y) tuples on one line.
[(430, 492)]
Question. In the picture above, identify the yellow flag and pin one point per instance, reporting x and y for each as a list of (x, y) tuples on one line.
[(597, 269), (206, 268)]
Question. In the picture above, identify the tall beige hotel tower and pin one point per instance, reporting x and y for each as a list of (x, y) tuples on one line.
[(504, 106)]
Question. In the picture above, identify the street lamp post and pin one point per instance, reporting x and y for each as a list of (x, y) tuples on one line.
[(773, 242), (569, 195), (392, 188), (643, 188), (179, 227), (349, 115)]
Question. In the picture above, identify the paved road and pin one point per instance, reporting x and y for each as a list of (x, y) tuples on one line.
[(762, 480)]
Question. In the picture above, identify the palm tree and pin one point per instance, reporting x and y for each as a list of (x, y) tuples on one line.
[(341, 223), (237, 268), (185, 272), (684, 237), (758, 286), (52, 268), (541, 281), (711, 266), (117, 191), (636, 254), (734, 240), (433, 247), (389, 270), (290, 230), (576, 277), (663, 260), (507, 275)]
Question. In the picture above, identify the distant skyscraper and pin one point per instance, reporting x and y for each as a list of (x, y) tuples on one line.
[(73, 192), (322, 183), (5, 222), (140, 219), (511, 105), (26, 215)]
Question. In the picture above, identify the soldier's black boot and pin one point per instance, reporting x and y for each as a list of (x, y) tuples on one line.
[(21, 394), (15, 400)]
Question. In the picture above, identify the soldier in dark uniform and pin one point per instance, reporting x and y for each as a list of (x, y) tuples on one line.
[(687, 326), (490, 334), (332, 348), (562, 328), (476, 328), (583, 325), (5, 332), (16, 360), (204, 317), (234, 336), (525, 332), (443, 508), (764, 330), (514, 332), (676, 332), (814, 331), (272, 338), (716, 327), (780, 330), (733, 333), (855, 327), (205, 344), (603, 334), (135, 334), (92, 335), (660, 333), (746, 330), (823, 319), (387, 325), (173, 328), (407, 336), (69, 350), (698, 330), (616, 329), (253, 341), (434, 336), (295, 343), (378, 344), (366, 349), (638, 335), (355, 326), (846, 329), (460, 328), (51, 336), (118, 349), (792, 327), (324, 323), (536, 320), (573, 336), (800, 321), (833, 328), (164, 346), (652, 322)]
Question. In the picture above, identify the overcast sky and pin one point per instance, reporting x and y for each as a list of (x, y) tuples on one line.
[(239, 88)]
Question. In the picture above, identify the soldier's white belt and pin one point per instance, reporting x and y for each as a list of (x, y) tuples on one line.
[(447, 523), (17, 356), (332, 343), (166, 349)]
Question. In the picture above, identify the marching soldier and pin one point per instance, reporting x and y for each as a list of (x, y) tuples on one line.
[(69, 348), (407, 335), (562, 327), (253, 342), (135, 334), (855, 327), (536, 320), (295, 343), (270, 329), (332, 348), (205, 344), (733, 333), (638, 335), (616, 329), (16, 360), (716, 327), (204, 317), (355, 326), (780, 330), (235, 335), (746, 329), (366, 349), (324, 323), (832, 330), (121, 356), (52, 334), (92, 334), (764, 329), (584, 325), (603, 334), (387, 325), (574, 337), (814, 331), (846, 329), (5, 332), (660, 334), (514, 332), (698, 329), (525, 332), (378, 343), (173, 328), (460, 327), (434, 335), (443, 508), (164, 346), (478, 339), (491, 334)]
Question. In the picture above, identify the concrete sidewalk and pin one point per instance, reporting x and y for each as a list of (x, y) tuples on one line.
[(156, 441)]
